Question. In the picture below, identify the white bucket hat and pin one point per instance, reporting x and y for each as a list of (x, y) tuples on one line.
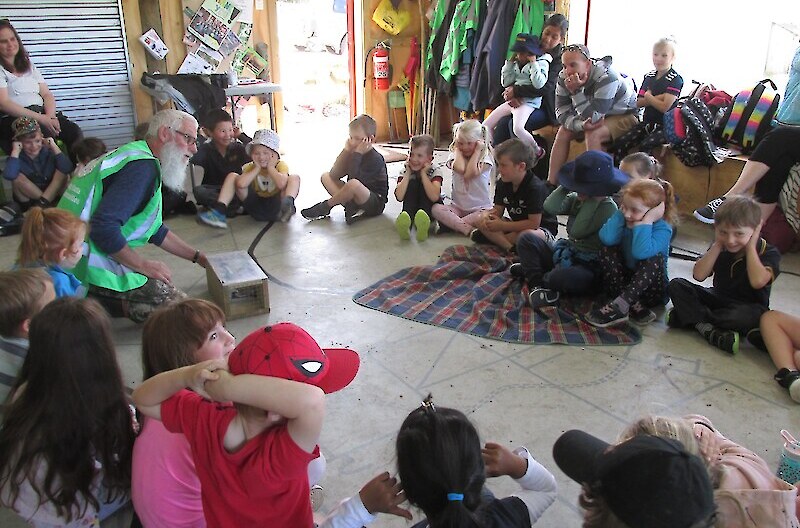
[(266, 137)]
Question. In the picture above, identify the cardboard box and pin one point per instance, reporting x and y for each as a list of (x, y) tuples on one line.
[(237, 284)]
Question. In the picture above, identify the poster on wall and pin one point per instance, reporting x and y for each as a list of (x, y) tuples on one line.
[(211, 23), (246, 10)]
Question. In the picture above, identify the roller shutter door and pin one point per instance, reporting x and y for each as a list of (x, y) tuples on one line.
[(79, 47)]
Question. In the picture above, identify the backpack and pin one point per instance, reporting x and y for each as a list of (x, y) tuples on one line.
[(10, 219), (689, 128), (750, 116)]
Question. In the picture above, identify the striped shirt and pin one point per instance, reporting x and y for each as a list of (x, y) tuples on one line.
[(12, 353), (606, 92)]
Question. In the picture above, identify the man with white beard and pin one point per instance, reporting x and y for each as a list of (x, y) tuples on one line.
[(120, 198)]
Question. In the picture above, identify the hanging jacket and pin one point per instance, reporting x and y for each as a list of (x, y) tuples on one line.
[(492, 48), (443, 16), (466, 16), (529, 19)]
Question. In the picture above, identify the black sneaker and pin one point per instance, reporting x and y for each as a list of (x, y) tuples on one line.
[(517, 270), (640, 315), (755, 338), (321, 210), (479, 238), (541, 297), (789, 380), (706, 214), (726, 340), (606, 316), (288, 210)]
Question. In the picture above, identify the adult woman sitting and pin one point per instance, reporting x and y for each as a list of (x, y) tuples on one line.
[(23, 92), (553, 34)]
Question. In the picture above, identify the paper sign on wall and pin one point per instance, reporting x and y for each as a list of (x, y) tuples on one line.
[(153, 44)]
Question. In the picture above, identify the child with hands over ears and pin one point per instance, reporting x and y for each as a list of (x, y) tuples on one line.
[(471, 164), (419, 186), (53, 239), (529, 66), (265, 187), (744, 267), (252, 454), (36, 166), (633, 258), (443, 468)]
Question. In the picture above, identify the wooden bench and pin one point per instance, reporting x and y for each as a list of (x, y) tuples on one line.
[(694, 186)]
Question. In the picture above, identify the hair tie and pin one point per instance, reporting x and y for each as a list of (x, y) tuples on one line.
[(455, 497)]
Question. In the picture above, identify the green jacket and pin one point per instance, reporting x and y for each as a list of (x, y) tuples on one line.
[(586, 217), (82, 197)]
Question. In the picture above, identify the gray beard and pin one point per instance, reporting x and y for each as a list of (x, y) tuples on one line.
[(173, 166)]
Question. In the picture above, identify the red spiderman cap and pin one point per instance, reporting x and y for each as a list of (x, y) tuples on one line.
[(285, 350)]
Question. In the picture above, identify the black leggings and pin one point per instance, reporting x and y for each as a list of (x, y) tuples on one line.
[(646, 283), (779, 150)]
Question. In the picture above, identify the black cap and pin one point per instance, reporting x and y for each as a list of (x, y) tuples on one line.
[(647, 481)]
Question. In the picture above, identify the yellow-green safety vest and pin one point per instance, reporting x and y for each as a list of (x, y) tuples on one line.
[(81, 198)]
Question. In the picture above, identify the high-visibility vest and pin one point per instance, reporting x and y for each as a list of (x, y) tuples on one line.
[(82, 197)]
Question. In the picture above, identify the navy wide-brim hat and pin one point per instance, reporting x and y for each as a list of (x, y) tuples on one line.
[(527, 43), (593, 174)]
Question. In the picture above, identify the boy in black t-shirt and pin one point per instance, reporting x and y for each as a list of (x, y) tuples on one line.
[(744, 267), (367, 188), (218, 157), (520, 193)]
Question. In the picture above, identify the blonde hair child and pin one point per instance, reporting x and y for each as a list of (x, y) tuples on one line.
[(471, 164), (634, 255), (53, 239)]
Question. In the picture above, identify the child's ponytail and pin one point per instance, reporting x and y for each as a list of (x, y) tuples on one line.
[(670, 207), (45, 232), (440, 465), (645, 164)]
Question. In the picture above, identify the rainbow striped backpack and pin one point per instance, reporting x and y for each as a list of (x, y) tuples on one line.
[(750, 116)]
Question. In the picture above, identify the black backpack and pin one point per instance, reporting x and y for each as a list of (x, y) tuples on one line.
[(10, 219), (696, 147)]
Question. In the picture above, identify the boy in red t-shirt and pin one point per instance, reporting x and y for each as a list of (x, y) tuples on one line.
[(252, 455)]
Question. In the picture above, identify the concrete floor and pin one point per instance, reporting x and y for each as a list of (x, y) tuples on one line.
[(516, 394)]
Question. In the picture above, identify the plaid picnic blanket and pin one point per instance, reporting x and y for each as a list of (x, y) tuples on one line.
[(470, 290)]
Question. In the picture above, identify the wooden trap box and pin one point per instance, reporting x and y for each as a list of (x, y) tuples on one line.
[(237, 284)]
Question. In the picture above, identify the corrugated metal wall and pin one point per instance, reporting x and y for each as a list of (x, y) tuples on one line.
[(79, 47)]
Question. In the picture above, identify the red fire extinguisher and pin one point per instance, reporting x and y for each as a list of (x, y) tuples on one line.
[(380, 66)]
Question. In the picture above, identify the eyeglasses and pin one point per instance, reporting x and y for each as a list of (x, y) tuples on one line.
[(580, 48), (187, 137)]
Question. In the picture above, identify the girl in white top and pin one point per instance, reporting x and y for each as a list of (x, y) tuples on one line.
[(24, 92), (471, 164)]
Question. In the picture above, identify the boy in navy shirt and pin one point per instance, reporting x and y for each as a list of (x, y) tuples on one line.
[(744, 267), (520, 193)]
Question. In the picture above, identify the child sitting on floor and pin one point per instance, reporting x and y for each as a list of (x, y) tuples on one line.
[(529, 66), (267, 437), (633, 258), (419, 186), (443, 469), (23, 294), (36, 166), (265, 187), (85, 151), (471, 164), (520, 193), (781, 333), (53, 239), (744, 267), (572, 264), (66, 443), (367, 188)]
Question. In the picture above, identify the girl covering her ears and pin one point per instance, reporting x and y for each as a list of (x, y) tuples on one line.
[(633, 259), (443, 468), (66, 443), (53, 239), (471, 163)]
